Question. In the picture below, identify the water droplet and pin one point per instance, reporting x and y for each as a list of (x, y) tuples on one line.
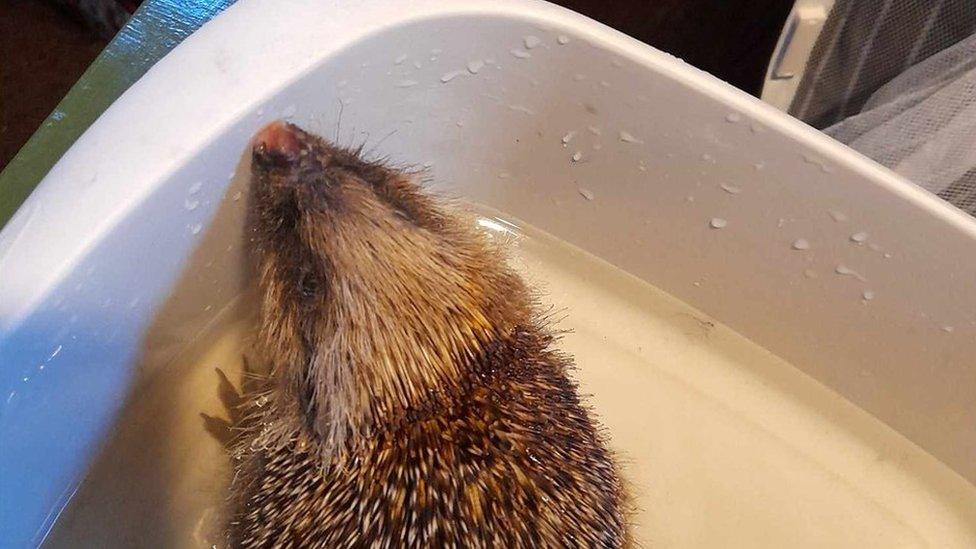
[(948, 329), (503, 175), (475, 66), (708, 158), (261, 401), (520, 108), (801, 244), (844, 270), (195, 228), (718, 223), (733, 118), (874, 247), (731, 189), (866, 373), (641, 166), (758, 166), (400, 59), (447, 77), (562, 40), (26, 379), (195, 188), (586, 193), (417, 64), (810, 273), (57, 350), (627, 137), (190, 204), (859, 238), (289, 111), (568, 137), (867, 295), (604, 83), (260, 112), (594, 130), (838, 216), (231, 175), (342, 83), (810, 159), (406, 83), (690, 198), (577, 156), (459, 124), (888, 255), (578, 77), (531, 41), (697, 283), (521, 54)]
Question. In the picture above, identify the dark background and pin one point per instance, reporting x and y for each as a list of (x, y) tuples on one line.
[(45, 48)]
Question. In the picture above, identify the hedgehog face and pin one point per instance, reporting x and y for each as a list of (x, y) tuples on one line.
[(374, 297)]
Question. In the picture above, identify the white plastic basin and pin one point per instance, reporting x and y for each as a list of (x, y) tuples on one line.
[(147, 201)]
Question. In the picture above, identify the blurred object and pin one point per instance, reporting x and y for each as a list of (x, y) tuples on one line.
[(104, 17), (42, 54), (896, 81), (59, 51)]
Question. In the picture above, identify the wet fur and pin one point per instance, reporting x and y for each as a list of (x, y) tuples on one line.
[(415, 398)]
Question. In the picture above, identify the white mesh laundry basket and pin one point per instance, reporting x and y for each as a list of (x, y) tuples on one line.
[(896, 81)]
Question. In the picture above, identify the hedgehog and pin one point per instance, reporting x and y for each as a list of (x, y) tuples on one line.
[(414, 395)]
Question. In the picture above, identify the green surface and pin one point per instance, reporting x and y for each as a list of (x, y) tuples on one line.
[(153, 31)]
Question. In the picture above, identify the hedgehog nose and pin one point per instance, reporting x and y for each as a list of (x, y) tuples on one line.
[(278, 144)]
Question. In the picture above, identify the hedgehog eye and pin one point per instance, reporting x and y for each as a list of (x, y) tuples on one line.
[(308, 286)]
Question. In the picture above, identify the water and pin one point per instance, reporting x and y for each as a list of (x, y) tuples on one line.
[(627, 137), (729, 188), (448, 76), (721, 443), (801, 244)]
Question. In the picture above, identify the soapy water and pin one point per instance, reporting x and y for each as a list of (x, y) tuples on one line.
[(721, 443)]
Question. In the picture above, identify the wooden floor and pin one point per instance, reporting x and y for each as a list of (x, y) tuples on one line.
[(44, 51)]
